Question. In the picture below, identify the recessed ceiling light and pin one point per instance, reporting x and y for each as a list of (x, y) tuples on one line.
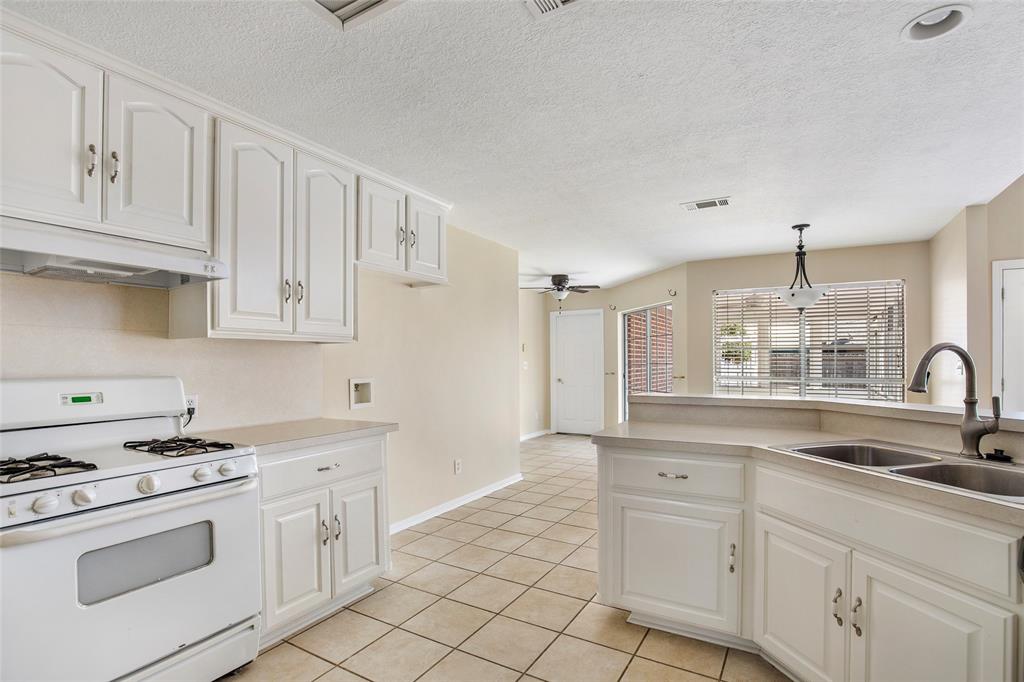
[(936, 22)]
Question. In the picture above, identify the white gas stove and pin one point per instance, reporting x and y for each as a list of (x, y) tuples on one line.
[(134, 545)]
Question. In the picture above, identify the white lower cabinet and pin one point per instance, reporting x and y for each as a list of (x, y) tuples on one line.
[(678, 560), (325, 531)]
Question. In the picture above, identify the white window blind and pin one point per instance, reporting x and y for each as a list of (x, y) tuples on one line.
[(854, 344)]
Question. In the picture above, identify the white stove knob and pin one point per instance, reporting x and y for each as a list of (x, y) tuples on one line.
[(45, 504), (228, 468), (83, 497), (149, 484), (202, 474)]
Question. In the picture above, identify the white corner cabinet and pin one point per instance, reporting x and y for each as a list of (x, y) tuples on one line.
[(325, 530), (832, 582), (402, 233)]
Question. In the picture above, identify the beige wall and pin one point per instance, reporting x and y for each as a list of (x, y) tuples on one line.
[(948, 265), (444, 361), (534, 411), (50, 328)]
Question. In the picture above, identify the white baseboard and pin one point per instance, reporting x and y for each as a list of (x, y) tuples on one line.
[(535, 434), (452, 504)]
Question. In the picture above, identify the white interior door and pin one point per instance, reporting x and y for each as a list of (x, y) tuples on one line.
[(255, 231), (1008, 333), (50, 105), (577, 371), (162, 144), (324, 241)]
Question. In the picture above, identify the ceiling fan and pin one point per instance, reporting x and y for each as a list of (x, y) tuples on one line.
[(560, 287)]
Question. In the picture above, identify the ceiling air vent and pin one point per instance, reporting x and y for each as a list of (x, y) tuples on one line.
[(351, 13), (705, 203), (542, 8)]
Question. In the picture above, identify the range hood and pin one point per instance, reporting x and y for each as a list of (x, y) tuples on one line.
[(67, 253)]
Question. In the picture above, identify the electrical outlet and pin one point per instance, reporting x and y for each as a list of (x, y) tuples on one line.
[(458, 467), (192, 401)]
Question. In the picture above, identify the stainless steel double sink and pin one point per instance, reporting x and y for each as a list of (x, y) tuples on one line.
[(1001, 481)]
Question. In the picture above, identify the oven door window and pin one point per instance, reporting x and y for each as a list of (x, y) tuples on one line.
[(118, 569)]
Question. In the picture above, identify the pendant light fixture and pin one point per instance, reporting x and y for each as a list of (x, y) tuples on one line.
[(805, 295)]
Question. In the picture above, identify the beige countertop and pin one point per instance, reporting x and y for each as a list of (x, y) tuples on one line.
[(299, 433), (765, 444)]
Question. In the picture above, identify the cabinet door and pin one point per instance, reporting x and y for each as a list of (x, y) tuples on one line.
[(914, 629), (162, 143), (50, 105), (255, 231), (677, 560), (358, 510), (296, 556), (324, 242), (802, 580), (382, 233), (426, 240)]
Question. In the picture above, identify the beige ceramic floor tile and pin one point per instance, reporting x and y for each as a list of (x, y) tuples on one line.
[(582, 519), (741, 666), (530, 498), (283, 662), (683, 652), (520, 569), (431, 547), (403, 564), (568, 503), (458, 513), (642, 670), (491, 519), (607, 626), (593, 542), (528, 526), (488, 593), (482, 503), (380, 583), (546, 609), (473, 558), (570, 660), (584, 557), (404, 537), (571, 534), (447, 622), (394, 604), (340, 636), (546, 550), (462, 531), (339, 675), (461, 667), (502, 540), (546, 513), (431, 525), (398, 656), (547, 488), (570, 581), (589, 507), (510, 507), (509, 642), (438, 578)]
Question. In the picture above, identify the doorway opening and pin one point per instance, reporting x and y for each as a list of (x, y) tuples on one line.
[(577, 371), (646, 352)]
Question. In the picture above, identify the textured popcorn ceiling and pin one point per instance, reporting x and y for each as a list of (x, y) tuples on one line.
[(573, 138)]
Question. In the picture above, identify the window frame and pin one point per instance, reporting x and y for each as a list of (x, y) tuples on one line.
[(624, 330)]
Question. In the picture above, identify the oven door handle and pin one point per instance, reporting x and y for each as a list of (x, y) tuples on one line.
[(23, 537)]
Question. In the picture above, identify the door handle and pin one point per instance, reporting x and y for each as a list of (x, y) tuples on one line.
[(337, 526), (412, 237), (663, 474), (302, 291), (326, 534), (401, 236), (117, 166), (287, 291), (835, 606), (857, 603), (92, 161)]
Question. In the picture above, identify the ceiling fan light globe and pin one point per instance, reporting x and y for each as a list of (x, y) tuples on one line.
[(560, 295)]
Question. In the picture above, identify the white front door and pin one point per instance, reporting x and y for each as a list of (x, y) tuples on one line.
[(1008, 339), (577, 374)]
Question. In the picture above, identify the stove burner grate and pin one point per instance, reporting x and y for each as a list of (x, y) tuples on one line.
[(178, 447), (40, 466)]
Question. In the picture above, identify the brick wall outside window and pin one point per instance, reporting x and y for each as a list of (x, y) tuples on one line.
[(648, 353)]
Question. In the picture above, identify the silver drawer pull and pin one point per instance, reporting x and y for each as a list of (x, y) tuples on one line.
[(857, 603), (835, 606), (732, 558), (334, 466), (326, 534), (92, 161), (664, 475), (337, 526)]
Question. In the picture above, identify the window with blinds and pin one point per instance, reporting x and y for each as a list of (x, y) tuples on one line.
[(648, 351), (854, 343)]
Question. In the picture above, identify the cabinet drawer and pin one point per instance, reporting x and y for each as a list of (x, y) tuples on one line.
[(702, 478), (322, 466)]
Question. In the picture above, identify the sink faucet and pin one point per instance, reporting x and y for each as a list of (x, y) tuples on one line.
[(973, 427)]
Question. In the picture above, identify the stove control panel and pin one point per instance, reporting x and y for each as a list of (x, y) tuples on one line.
[(83, 497)]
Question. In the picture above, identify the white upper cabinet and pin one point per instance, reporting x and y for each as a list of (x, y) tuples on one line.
[(255, 231), (382, 233), (426, 226), (156, 165), (51, 108), (324, 247)]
